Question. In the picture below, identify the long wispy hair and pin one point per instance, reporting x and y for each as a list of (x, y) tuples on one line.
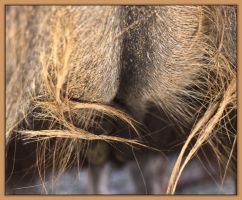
[(48, 84)]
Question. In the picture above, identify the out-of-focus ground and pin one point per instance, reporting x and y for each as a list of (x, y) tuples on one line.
[(149, 176)]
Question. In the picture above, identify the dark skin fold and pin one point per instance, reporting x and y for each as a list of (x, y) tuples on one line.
[(156, 64)]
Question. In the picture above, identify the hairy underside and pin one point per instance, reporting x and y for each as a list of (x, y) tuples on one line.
[(81, 80)]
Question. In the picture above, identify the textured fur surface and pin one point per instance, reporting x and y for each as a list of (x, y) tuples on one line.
[(86, 77)]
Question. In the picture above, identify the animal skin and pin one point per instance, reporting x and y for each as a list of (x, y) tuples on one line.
[(89, 85)]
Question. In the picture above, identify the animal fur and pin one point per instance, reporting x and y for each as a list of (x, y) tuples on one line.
[(74, 72)]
